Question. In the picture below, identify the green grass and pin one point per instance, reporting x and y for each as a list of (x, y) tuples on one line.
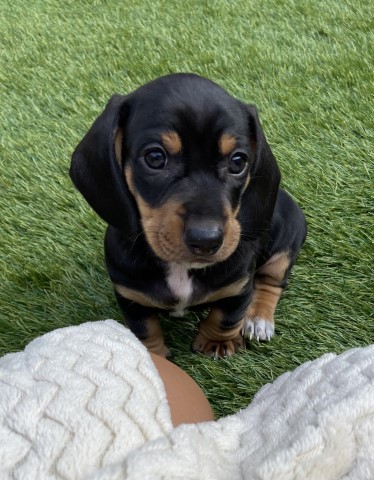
[(307, 65)]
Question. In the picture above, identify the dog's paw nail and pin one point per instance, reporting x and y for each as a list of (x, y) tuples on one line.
[(214, 353), (216, 349), (264, 329), (260, 328), (249, 329)]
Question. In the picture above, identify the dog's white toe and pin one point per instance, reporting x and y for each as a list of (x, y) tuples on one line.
[(258, 327)]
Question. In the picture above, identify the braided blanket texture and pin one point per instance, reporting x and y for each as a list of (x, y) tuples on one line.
[(87, 403)]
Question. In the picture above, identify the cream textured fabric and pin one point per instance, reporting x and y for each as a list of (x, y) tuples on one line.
[(77, 399), (87, 403)]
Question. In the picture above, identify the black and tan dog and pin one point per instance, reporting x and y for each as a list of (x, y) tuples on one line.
[(183, 175)]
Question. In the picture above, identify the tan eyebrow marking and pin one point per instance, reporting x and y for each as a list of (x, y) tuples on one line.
[(118, 137), (226, 144), (172, 142)]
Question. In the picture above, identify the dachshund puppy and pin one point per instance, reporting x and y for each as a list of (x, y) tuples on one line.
[(182, 173)]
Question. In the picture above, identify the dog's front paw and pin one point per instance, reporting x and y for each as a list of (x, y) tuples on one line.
[(258, 327), (218, 348)]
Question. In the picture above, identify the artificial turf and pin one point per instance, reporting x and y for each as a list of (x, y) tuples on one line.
[(309, 68)]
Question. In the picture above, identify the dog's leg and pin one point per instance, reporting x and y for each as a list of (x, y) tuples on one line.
[(220, 333), (145, 324), (269, 281), (288, 232), (154, 341)]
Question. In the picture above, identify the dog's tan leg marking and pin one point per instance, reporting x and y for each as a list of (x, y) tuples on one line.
[(155, 338), (216, 342), (259, 321)]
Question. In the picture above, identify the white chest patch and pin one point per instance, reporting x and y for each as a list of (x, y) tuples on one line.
[(181, 287)]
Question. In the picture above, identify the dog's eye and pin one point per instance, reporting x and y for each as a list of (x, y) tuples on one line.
[(238, 163), (155, 158)]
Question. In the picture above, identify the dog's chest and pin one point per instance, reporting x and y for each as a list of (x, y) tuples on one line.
[(180, 284), (187, 289)]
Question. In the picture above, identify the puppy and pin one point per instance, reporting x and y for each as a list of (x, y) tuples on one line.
[(182, 173)]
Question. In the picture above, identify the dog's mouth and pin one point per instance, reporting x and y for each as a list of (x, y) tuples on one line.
[(176, 249), (201, 262), (186, 239)]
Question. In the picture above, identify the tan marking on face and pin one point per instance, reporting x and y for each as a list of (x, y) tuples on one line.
[(138, 297), (129, 180), (236, 211), (172, 142), (226, 144), (231, 232), (164, 230), (118, 138), (229, 291), (163, 226)]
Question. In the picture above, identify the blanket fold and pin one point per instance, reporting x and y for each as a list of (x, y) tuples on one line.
[(87, 403)]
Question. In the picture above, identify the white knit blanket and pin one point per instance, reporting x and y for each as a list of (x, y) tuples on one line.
[(87, 403)]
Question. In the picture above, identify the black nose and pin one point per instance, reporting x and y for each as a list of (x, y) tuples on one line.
[(202, 240)]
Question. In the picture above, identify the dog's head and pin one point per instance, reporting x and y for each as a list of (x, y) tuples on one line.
[(185, 162)]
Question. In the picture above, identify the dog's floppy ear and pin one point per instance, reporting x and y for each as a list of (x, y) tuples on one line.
[(97, 172), (258, 200)]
